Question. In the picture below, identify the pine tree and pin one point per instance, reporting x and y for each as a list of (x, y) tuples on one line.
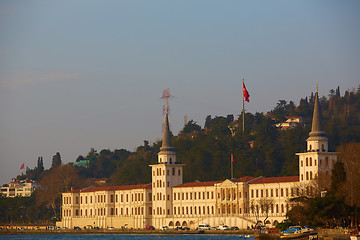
[(56, 160)]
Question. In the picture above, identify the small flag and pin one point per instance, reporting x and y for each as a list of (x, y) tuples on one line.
[(22, 166), (246, 93), (232, 158)]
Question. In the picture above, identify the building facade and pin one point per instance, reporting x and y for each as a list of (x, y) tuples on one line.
[(167, 201), (19, 188)]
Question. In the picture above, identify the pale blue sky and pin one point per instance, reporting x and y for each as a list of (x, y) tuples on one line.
[(81, 74)]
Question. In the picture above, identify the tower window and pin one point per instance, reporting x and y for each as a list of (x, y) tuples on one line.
[(310, 147), (322, 147), (173, 171), (310, 161), (179, 172), (170, 160)]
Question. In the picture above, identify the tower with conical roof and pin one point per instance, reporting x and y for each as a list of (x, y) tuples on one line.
[(166, 173), (317, 161)]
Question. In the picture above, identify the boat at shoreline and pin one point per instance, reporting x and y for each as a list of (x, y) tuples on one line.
[(298, 232)]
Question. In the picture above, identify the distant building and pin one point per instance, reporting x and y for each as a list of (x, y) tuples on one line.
[(83, 163), (167, 201), (101, 181), (19, 188), (290, 122)]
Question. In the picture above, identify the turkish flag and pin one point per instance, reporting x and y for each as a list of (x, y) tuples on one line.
[(246, 93), (22, 166), (232, 158)]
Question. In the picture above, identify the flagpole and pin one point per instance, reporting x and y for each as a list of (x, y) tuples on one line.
[(243, 111), (232, 166)]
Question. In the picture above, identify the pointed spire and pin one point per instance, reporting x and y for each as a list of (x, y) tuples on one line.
[(316, 127), (166, 140)]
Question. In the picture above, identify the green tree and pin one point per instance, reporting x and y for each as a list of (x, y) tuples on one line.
[(56, 161), (190, 127)]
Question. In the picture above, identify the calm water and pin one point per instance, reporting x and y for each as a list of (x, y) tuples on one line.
[(123, 237)]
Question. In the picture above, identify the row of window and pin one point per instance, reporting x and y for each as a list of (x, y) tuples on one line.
[(309, 176), (159, 183), (269, 209), (158, 172), (193, 195), (134, 197), (230, 194), (194, 210), (308, 162), (273, 192), (102, 212), (159, 196)]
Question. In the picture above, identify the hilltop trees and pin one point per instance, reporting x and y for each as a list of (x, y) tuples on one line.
[(56, 161)]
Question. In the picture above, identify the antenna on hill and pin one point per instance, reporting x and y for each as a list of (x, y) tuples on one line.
[(185, 120)]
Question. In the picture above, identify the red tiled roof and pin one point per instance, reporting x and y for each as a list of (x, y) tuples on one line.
[(198, 184), (277, 179), (73, 191), (243, 179), (112, 188)]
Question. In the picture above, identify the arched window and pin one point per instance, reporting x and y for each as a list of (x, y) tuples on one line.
[(170, 160), (307, 175), (326, 161), (307, 162), (322, 148), (310, 163), (310, 175), (310, 147)]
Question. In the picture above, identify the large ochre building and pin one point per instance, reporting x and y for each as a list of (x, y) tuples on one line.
[(167, 201)]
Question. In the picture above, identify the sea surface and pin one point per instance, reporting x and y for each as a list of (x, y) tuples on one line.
[(124, 237)]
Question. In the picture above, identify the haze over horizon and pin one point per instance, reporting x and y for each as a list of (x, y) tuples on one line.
[(76, 75)]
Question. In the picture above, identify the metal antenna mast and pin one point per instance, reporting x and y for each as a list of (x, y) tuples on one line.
[(166, 107)]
